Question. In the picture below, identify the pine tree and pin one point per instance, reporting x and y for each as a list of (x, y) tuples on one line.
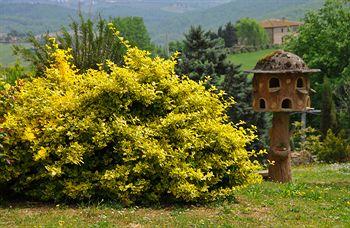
[(229, 34), (328, 117), (203, 56)]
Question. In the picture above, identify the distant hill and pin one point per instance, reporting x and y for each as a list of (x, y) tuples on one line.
[(214, 17), (165, 19), (37, 18)]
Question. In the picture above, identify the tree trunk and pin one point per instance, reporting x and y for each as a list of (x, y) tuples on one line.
[(279, 154)]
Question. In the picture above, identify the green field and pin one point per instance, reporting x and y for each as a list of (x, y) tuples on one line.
[(318, 197), (248, 60), (7, 57)]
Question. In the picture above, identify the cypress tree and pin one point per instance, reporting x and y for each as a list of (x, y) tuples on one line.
[(328, 116)]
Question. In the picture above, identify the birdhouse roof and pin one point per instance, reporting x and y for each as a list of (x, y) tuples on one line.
[(282, 62)]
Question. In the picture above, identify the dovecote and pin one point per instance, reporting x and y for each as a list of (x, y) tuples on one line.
[(281, 83)]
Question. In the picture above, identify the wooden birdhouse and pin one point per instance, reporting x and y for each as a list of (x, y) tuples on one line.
[(281, 85)]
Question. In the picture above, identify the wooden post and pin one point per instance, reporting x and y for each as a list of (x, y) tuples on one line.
[(279, 154)]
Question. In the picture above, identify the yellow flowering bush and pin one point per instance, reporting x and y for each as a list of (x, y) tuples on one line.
[(137, 134)]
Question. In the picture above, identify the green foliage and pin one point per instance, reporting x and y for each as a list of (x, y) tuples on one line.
[(324, 43), (335, 148), (9, 75), (306, 139), (343, 98), (251, 33), (203, 56), (92, 43), (228, 33), (135, 134), (328, 115), (134, 30), (175, 46)]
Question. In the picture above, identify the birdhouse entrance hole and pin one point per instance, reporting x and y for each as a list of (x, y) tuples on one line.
[(300, 83), (262, 104), (286, 104)]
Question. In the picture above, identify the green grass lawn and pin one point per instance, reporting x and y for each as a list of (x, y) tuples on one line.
[(249, 60), (318, 197)]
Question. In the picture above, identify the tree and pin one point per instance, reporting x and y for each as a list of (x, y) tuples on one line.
[(329, 117), (175, 46), (92, 43), (250, 32), (324, 43), (203, 56), (134, 30), (343, 98), (229, 34), (324, 39)]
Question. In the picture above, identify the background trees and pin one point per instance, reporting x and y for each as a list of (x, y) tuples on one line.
[(328, 115), (324, 42), (91, 42), (203, 55), (250, 32), (229, 34)]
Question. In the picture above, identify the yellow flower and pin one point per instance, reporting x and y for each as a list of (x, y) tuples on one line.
[(41, 154), (28, 134), (7, 86)]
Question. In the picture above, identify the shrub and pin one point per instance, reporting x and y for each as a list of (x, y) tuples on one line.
[(308, 139), (135, 134), (335, 148), (9, 75)]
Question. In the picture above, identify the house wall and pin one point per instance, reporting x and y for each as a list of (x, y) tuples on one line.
[(276, 34), (269, 32)]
